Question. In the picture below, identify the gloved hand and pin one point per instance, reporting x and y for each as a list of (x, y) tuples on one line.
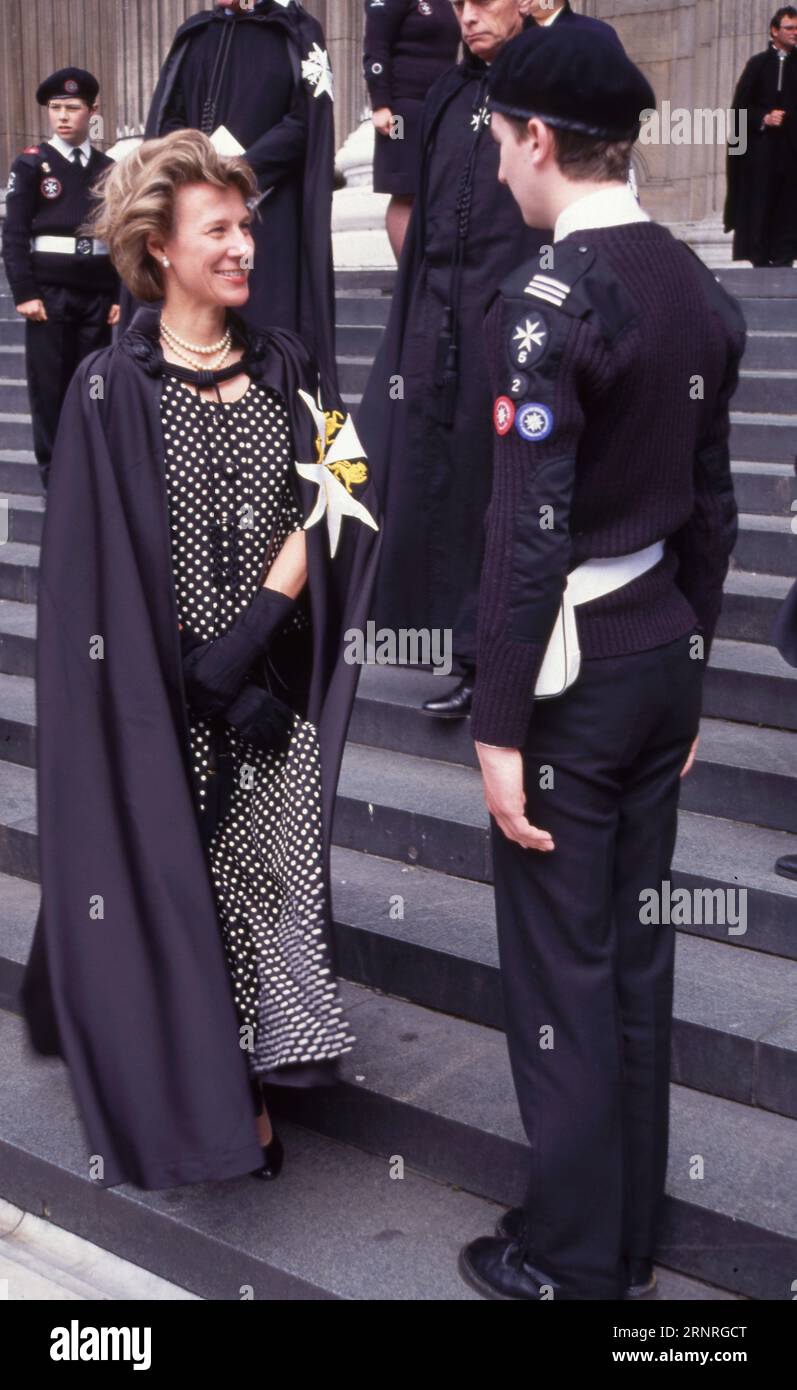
[(214, 670), (259, 716)]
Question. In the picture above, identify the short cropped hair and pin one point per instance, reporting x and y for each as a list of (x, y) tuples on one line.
[(583, 156), (138, 197)]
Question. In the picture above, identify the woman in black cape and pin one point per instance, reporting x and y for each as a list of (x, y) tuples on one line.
[(211, 534)]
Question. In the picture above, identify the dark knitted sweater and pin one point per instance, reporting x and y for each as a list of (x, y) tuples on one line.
[(29, 213), (406, 46), (638, 367)]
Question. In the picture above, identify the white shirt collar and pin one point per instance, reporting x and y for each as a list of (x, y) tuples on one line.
[(66, 150), (608, 207), (551, 17)]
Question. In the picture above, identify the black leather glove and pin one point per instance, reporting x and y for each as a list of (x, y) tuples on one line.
[(214, 670), (259, 716)]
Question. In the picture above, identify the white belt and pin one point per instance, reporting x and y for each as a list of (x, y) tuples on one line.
[(594, 578), (70, 245)]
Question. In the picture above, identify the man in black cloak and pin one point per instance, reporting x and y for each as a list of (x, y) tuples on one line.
[(426, 414), (127, 979), (262, 72), (761, 193)]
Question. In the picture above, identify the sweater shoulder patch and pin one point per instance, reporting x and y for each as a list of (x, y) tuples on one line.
[(719, 299), (550, 276), (580, 283), (29, 159), (604, 300)]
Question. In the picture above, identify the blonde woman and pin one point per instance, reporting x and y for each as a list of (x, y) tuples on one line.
[(210, 536)]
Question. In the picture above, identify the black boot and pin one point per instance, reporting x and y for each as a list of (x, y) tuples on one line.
[(453, 706), (499, 1269), (640, 1275), (786, 865)]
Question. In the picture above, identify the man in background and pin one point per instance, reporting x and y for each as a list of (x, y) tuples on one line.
[(62, 283), (761, 198)]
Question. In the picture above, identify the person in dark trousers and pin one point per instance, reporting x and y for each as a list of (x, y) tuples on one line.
[(407, 45), (429, 442), (612, 504), (784, 637), (61, 282), (261, 72), (431, 439), (761, 194)]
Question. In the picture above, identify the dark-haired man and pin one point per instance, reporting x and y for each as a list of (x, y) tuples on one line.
[(761, 198), (611, 520), (62, 283)]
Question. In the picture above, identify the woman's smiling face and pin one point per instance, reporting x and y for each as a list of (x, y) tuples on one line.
[(210, 248)]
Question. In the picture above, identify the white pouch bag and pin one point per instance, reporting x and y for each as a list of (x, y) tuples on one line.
[(562, 661)]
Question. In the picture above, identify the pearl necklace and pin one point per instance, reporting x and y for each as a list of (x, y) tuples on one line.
[(202, 366), (193, 347), (186, 350)]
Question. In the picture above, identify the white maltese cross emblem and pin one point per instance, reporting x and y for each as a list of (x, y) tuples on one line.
[(316, 70), (340, 457)]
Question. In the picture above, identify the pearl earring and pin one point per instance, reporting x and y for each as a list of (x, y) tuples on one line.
[(165, 260)]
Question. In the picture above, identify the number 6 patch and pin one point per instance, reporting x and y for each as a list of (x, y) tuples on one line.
[(528, 340)]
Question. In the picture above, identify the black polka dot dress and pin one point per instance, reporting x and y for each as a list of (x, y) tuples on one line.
[(265, 853)]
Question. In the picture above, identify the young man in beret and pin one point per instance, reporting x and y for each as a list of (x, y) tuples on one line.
[(612, 363), (62, 283)]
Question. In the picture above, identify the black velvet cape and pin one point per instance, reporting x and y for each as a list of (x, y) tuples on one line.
[(127, 980)]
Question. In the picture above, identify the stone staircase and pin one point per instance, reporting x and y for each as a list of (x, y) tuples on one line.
[(429, 1080)]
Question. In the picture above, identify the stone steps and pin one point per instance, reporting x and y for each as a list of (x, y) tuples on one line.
[(336, 1225), (429, 1078)]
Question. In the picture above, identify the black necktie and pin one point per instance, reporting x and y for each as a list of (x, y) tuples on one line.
[(76, 159)]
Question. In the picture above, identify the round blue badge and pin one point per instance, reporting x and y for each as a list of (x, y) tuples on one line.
[(534, 421)]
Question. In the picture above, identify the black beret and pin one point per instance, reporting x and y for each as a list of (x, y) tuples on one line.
[(68, 82), (572, 76)]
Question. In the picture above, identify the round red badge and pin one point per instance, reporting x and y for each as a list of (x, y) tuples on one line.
[(503, 414)]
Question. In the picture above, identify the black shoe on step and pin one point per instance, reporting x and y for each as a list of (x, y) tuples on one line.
[(640, 1275), (273, 1154), (453, 706), (499, 1269), (640, 1278), (786, 865)]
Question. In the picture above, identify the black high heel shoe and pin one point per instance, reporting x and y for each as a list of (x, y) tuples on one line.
[(273, 1155)]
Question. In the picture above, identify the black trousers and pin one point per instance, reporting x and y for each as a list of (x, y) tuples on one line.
[(587, 986), (75, 326)]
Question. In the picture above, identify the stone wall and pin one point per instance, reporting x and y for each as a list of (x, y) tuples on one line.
[(692, 51)]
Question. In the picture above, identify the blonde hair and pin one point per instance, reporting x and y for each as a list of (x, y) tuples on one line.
[(138, 196)]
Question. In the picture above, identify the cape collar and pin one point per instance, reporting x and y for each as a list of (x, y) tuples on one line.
[(141, 343)]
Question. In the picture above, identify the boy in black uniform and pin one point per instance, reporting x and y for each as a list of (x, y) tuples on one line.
[(62, 283), (612, 368)]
